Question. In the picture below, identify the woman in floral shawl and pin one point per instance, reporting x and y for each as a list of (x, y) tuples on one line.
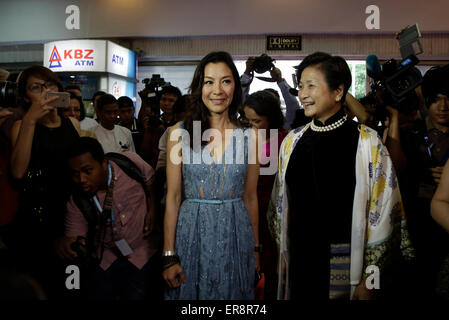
[(336, 210)]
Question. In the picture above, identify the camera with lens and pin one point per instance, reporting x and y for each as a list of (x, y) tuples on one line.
[(155, 83), (84, 258), (263, 63), (8, 94), (396, 81), (154, 87)]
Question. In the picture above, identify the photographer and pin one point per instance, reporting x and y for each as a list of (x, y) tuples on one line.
[(162, 97), (291, 103), (153, 130), (387, 121), (40, 143), (169, 97), (121, 242), (426, 149)]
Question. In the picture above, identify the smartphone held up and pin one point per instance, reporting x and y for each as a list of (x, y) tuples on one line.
[(62, 101)]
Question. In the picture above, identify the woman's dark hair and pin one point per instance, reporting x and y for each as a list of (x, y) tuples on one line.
[(300, 119), (264, 103), (181, 104), (336, 70), (38, 72), (197, 111), (86, 145), (273, 91)]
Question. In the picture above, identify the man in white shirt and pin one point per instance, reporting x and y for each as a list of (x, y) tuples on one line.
[(113, 138)]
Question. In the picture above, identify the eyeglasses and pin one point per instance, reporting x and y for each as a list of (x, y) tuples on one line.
[(38, 87)]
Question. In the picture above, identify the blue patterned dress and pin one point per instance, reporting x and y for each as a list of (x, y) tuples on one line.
[(214, 237)]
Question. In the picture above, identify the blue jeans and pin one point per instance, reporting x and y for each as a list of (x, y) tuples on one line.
[(124, 281)]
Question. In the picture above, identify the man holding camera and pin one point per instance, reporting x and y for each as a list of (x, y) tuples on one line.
[(121, 245), (154, 101), (426, 149), (291, 103)]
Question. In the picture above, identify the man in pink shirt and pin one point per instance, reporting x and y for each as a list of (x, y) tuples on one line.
[(124, 240)]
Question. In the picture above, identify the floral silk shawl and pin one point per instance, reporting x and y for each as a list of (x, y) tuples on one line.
[(378, 220)]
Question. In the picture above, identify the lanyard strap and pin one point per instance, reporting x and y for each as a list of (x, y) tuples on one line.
[(107, 203)]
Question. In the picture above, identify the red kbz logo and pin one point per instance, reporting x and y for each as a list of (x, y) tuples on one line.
[(83, 57)]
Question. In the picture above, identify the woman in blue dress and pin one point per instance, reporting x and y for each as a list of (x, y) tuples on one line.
[(210, 238)]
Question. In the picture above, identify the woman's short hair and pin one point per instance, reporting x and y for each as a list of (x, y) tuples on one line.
[(264, 103), (197, 111), (181, 104), (336, 70), (38, 72)]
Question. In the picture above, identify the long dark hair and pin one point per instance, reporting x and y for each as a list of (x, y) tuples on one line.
[(197, 111)]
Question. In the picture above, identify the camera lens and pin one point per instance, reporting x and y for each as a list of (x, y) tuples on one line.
[(8, 94)]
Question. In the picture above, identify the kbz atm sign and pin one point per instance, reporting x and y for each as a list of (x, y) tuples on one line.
[(75, 55), (90, 56), (81, 57)]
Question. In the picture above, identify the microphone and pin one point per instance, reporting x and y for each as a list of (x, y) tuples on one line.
[(373, 67)]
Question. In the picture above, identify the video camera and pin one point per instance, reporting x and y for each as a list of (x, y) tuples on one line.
[(8, 94), (155, 84), (397, 81), (154, 87)]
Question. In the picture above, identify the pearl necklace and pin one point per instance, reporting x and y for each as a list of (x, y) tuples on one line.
[(329, 127)]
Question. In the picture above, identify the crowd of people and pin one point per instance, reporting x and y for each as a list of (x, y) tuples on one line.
[(219, 194)]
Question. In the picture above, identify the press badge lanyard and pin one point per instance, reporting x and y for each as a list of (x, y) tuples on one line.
[(122, 245)]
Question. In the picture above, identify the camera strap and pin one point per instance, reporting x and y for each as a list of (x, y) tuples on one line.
[(107, 213), (106, 210)]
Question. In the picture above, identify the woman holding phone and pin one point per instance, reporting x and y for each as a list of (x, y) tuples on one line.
[(40, 141)]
